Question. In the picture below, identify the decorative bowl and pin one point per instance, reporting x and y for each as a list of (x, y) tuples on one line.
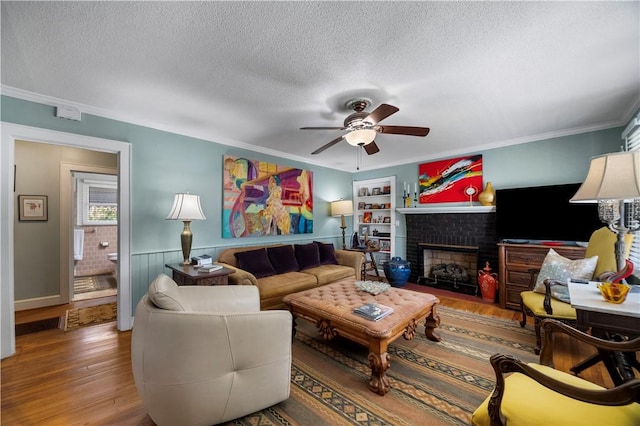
[(373, 287), (614, 292)]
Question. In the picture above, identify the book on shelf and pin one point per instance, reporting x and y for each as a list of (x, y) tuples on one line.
[(373, 311), (209, 268)]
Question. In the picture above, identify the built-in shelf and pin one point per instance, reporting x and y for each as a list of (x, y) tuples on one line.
[(447, 209)]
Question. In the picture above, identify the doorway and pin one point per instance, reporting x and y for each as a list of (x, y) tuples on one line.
[(95, 234), (14, 132)]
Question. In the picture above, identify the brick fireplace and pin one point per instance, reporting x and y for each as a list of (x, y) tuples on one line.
[(474, 233), (450, 266)]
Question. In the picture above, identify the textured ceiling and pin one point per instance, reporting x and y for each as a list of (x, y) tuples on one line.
[(250, 74)]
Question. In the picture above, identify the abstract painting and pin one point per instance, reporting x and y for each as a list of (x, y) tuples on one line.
[(447, 181), (263, 199)]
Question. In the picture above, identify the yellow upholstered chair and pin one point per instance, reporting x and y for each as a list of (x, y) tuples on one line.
[(542, 305), (537, 394)]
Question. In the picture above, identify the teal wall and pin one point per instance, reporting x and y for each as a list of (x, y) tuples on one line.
[(552, 161), (163, 163)]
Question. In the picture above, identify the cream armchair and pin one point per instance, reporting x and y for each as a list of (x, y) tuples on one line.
[(204, 355)]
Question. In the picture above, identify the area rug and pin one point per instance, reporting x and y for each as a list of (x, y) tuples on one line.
[(444, 292), (432, 383), (92, 315), (94, 283)]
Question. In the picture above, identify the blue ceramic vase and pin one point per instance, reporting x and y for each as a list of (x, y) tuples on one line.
[(397, 271)]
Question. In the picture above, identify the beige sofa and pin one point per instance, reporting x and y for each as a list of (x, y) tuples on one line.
[(203, 355), (274, 287)]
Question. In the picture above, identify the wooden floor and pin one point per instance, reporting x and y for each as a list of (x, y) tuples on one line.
[(84, 376)]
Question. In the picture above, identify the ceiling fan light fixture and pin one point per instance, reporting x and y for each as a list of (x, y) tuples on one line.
[(360, 137)]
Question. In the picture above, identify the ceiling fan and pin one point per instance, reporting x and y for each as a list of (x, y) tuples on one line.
[(363, 126)]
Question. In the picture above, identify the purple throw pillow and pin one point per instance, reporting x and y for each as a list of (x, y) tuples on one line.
[(327, 253), (307, 255), (283, 259), (255, 261)]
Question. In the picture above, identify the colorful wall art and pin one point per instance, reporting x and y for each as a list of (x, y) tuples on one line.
[(447, 181), (262, 199)]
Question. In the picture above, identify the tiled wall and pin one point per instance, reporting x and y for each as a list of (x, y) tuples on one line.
[(464, 229), (94, 259)]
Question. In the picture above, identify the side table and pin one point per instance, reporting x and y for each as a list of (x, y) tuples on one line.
[(606, 319), (368, 265), (188, 275)]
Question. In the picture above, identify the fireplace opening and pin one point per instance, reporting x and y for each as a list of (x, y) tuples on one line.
[(450, 266)]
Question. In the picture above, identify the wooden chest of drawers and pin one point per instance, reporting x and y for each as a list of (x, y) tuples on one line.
[(515, 262)]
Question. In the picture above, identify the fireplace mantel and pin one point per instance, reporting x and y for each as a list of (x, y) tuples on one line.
[(447, 209)]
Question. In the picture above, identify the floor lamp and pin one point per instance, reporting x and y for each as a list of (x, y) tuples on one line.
[(613, 181), (342, 208), (186, 207)]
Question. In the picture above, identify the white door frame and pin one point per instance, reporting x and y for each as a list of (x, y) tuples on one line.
[(11, 133)]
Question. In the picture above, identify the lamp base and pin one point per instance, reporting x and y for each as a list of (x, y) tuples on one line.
[(185, 238), (344, 243)]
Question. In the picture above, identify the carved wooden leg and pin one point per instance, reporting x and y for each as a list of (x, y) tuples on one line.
[(523, 321), (293, 327), (537, 321), (379, 363), (430, 323)]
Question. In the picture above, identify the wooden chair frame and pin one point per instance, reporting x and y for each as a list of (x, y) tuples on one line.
[(623, 394), (547, 307)]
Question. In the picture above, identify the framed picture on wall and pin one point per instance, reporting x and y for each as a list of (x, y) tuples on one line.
[(32, 208)]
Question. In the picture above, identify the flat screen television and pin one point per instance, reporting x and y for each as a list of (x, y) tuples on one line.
[(544, 213)]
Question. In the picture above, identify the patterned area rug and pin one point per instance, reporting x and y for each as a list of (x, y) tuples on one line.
[(94, 283), (92, 315), (432, 383)]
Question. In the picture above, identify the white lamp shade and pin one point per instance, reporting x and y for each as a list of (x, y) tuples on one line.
[(341, 207), (613, 176), (360, 137), (186, 207)]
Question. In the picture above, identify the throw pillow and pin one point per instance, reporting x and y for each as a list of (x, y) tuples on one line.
[(327, 253), (164, 293), (283, 259), (560, 291), (255, 261), (560, 268), (307, 255)]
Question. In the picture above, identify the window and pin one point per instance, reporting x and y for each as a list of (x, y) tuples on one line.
[(631, 136), (97, 199)]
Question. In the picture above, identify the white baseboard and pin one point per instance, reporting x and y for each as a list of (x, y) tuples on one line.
[(38, 302)]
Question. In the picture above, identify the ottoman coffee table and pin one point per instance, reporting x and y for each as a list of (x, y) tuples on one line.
[(331, 307)]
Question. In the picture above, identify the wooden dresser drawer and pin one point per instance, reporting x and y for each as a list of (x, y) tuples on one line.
[(525, 257), (515, 262)]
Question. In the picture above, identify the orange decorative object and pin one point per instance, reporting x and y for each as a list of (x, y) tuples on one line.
[(614, 292), (488, 282)]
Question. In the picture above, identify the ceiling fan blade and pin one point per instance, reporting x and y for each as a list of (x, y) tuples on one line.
[(380, 113), (329, 145), (322, 128), (371, 148), (404, 130)]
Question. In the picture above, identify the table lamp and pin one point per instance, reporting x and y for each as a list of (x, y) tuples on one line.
[(186, 207), (613, 181), (342, 208)]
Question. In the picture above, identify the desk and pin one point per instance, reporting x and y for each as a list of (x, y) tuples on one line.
[(604, 319), (188, 275), (368, 265)]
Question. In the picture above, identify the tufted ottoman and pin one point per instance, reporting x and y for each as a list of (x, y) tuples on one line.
[(331, 307)]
